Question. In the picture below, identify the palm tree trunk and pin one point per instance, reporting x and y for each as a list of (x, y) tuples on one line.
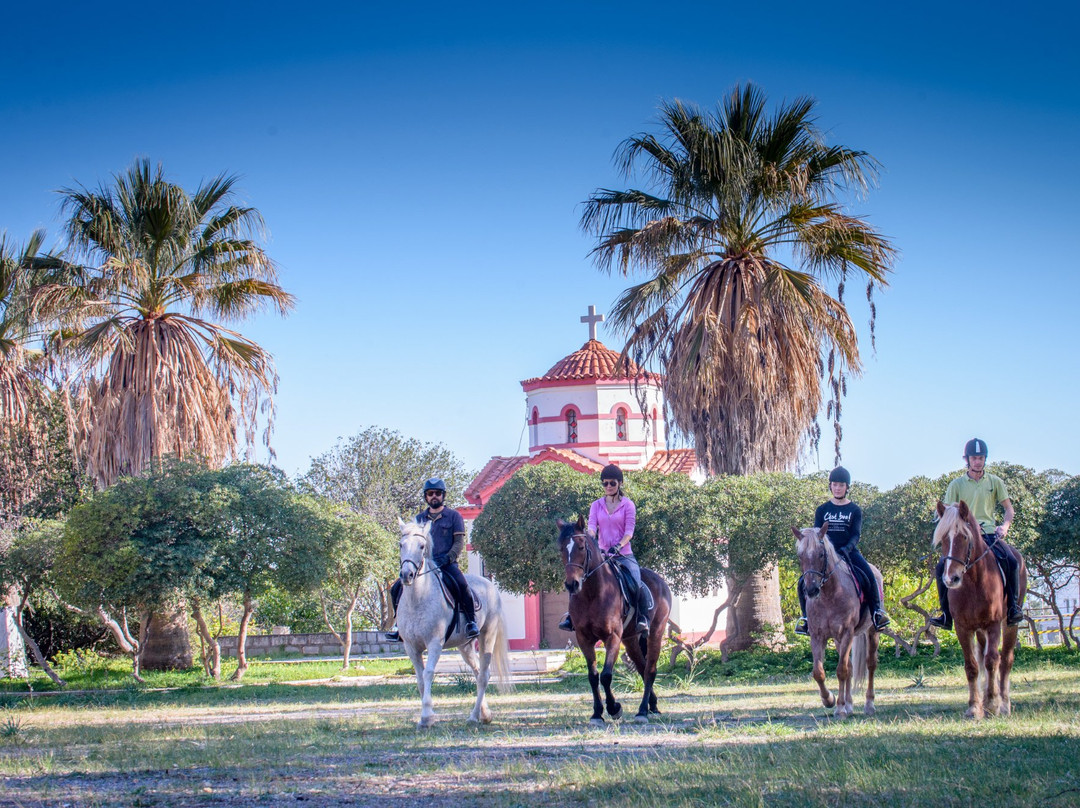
[(168, 645), (756, 618)]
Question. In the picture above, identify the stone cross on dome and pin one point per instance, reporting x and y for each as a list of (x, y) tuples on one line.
[(592, 318)]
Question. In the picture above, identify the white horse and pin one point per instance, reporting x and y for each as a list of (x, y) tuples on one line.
[(423, 617)]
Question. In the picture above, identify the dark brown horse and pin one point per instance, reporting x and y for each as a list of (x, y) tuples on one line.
[(977, 603), (597, 614)]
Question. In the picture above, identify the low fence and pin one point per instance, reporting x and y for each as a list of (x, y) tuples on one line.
[(367, 643), (1047, 626)]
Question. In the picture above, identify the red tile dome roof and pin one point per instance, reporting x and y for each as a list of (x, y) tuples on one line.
[(592, 361)]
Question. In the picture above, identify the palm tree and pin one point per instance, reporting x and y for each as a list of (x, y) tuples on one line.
[(164, 270), (23, 393), (741, 236)]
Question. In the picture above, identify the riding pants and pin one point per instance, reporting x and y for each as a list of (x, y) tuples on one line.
[(1009, 564), (644, 596), (455, 582)]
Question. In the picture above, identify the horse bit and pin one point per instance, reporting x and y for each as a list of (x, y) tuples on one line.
[(588, 556)]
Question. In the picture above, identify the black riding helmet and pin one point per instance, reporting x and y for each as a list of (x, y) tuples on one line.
[(840, 475), (434, 484), (611, 472), (975, 447)]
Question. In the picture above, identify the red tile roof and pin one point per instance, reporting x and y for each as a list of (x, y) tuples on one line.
[(497, 470), (592, 361), (677, 461)]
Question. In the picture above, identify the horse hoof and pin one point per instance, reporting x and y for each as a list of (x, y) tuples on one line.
[(974, 714), (616, 714), (1006, 708), (869, 709), (426, 723), (596, 722), (641, 719)]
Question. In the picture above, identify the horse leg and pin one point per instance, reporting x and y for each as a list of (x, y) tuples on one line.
[(633, 652), (427, 712), (611, 656), (1008, 648), (589, 652), (872, 640), (844, 705), (992, 663), (968, 644), (652, 656), (479, 664), (817, 648), (416, 656)]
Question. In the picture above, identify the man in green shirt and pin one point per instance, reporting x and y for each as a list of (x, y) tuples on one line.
[(983, 492)]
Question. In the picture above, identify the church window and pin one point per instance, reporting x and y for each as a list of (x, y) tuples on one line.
[(571, 426), (620, 424)]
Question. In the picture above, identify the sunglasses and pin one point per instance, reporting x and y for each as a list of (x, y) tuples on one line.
[(607, 483)]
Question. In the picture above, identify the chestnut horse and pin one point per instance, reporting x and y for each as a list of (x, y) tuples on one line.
[(833, 611), (596, 611), (977, 603)]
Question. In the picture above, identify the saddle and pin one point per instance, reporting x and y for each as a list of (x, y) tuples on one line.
[(857, 578), (452, 602), (628, 590)]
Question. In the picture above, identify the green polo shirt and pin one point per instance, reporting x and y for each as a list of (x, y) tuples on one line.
[(982, 497)]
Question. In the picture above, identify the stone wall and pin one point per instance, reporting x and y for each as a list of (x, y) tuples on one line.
[(365, 643)]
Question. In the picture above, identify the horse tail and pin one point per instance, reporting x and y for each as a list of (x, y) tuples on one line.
[(858, 661), (500, 656)]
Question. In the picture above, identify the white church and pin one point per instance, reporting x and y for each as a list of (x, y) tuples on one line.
[(586, 412)]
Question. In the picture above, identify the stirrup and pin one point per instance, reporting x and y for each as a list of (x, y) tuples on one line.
[(802, 627), (392, 635), (566, 624), (1015, 617), (472, 630), (881, 620)]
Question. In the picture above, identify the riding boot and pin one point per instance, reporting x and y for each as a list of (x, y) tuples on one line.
[(395, 597), (643, 609), (468, 612), (801, 626), (877, 613), (944, 620), (566, 624), (1014, 614)]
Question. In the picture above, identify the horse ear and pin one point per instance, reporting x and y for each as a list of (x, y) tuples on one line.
[(824, 529), (580, 522), (796, 531), (400, 523), (963, 510), (559, 523), (940, 508)]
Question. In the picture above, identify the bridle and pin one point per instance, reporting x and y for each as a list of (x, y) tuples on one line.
[(824, 573), (966, 561), (588, 557), (419, 568)]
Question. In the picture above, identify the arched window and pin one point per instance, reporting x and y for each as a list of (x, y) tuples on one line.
[(655, 426), (571, 426), (534, 432), (620, 424)]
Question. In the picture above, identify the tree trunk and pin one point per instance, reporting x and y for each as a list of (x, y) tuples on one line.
[(168, 645), (241, 639), (755, 618), (211, 660)]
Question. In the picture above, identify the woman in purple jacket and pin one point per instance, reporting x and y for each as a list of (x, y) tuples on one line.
[(612, 519)]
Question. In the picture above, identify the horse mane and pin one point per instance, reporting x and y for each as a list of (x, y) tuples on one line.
[(951, 517), (807, 538), (568, 529)]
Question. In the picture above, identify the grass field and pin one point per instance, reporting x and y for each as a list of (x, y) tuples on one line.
[(720, 741)]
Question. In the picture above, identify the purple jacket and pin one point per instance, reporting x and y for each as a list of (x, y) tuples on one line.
[(611, 527)]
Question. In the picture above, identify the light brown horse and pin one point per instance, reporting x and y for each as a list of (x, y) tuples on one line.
[(977, 603), (596, 611), (833, 611)]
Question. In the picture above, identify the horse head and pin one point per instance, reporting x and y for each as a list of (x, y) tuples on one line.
[(415, 547), (816, 557), (579, 552), (959, 537)]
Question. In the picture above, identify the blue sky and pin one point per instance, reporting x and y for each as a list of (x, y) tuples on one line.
[(421, 170)]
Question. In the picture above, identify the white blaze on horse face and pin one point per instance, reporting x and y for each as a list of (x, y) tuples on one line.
[(575, 571), (953, 572)]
